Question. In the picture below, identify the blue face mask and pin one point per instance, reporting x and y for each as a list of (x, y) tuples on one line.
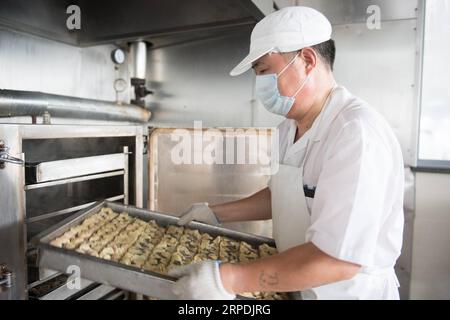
[(268, 93)]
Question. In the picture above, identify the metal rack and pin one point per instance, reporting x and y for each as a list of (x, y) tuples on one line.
[(88, 290), (67, 171), (21, 209), (52, 173)]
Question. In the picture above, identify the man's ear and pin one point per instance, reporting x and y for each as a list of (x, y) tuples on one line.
[(310, 57)]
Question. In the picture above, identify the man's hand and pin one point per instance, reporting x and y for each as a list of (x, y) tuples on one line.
[(200, 281), (199, 212)]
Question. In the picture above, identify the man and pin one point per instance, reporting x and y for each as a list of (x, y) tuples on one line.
[(337, 198)]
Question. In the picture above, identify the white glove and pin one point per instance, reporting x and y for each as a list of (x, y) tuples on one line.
[(200, 281), (199, 212)]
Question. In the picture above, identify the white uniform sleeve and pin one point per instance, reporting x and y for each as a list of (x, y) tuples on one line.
[(349, 201)]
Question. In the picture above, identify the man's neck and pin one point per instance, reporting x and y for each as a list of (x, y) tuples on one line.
[(305, 122)]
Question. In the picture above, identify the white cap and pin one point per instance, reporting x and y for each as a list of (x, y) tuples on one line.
[(286, 30)]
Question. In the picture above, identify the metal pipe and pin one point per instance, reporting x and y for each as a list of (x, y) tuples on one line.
[(28, 103), (139, 54), (138, 74)]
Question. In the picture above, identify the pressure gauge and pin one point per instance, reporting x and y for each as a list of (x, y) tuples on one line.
[(118, 56), (120, 85)]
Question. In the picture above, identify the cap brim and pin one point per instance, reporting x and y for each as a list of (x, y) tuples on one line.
[(246, 63)]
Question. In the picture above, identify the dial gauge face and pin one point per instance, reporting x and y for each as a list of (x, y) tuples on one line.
[(118, 56)]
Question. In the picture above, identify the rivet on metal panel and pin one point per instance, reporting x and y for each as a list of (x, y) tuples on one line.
[(5, 277)]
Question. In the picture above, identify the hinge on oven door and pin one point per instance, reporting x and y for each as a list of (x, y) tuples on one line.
[(6, 276), (145, 145), (6, 157)]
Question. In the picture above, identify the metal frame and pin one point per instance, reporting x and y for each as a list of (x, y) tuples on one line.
[(73, 209), (154, 132), (404, 262), (438, 166), (98, 293), (13, 242), (67, 131), (75, 179), (65, 171), (64, 292), (418, 79)]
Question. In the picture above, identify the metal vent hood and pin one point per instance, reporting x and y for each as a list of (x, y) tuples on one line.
[(114, 21)]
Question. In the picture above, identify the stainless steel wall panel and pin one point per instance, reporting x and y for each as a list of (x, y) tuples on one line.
[(379, 67), (192, 82), (36, 64), (355, 11)]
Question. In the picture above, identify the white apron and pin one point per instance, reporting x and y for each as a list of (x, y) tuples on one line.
[(291, 218)]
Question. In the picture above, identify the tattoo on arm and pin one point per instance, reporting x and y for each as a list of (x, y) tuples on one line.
[(268, 280)]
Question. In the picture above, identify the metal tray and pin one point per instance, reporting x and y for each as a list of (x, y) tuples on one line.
[(116, 274)]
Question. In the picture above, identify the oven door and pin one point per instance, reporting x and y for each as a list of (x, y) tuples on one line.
[(212, 165)]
